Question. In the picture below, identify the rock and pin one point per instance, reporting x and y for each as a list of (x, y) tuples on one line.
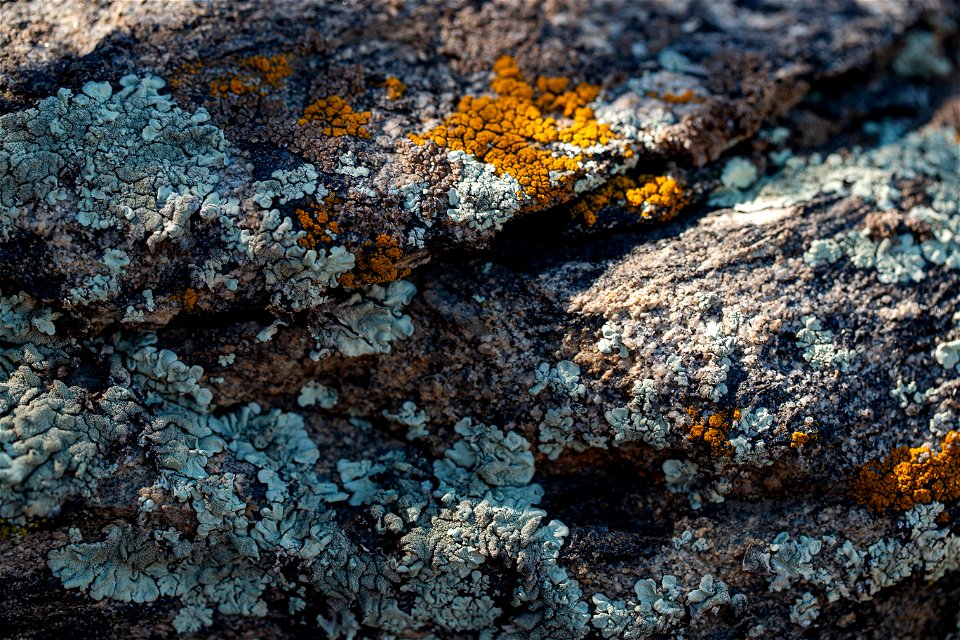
[(627, 320)]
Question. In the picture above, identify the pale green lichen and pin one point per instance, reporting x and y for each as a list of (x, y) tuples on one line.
[(287, 185), (162, 373), (316, 394), (947, 355), (738, 173), (657, 609), (679, 474), (181, 441), (641, 419), (566, 390), (805, 610), (611, 340), (872, 175), (819, 348), (299, 276), (482, 199), (922, 56), (23, 320), (476, 516), (140, 160), (413, 418), (748, 436), (840, 568), (55, 440), (367, 322)]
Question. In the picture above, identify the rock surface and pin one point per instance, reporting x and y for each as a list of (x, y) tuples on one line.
[(480, 320)]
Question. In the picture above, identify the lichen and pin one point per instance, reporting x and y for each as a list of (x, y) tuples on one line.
[(819, 348), (285, 186), (657, 609), (712, 430), (514, 133), (300, 277), (24, 320), (413, 418), (336, 118), (367, 322), (316, 394), (843, 568), (376, 262), (909, 476), (142, 163), (648, 197), (738, 173), (258, 75), (55, 440), (394, 86), (162, 373)]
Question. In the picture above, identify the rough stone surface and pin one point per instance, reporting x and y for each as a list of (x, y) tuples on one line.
[(480, 320)]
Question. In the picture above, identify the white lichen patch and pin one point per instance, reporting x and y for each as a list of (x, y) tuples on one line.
[(482, 199)]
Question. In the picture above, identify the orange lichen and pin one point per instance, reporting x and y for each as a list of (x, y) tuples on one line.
[(799, 438), (376, 263), (187, 69), (650, 197), (337, 117), (910, 476), (317, 220), (662, 193), (713, 430), (260, 74), (512, 131), (394, 86), (272, 70), (686, 97), (188, 299)]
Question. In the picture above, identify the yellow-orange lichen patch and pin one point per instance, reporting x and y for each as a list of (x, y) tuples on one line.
[(799, 438), (661, 194), (376, 263), (712, 430), (394, 86), (273, 70), (686, 97), (650, 197), (337, 117), (317, 220), (258, 74), (513, 130), (910, 476), (188, 299)]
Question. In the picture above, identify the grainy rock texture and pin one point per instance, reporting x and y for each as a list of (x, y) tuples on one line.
[(480, 320)]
